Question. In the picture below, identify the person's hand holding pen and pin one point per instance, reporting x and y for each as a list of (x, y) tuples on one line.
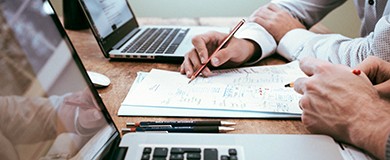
[(237, 52)]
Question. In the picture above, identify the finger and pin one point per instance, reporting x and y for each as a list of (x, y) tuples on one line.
[(376, 69), (221, 57), (266, 14), (274, 7), (207, 72), (258, 20), (310, 65), (199, 43), (304, 102), (299, 85), (196, 65), (187, 66), (369, 66), (182, 69), (383, 89), (205, 42)]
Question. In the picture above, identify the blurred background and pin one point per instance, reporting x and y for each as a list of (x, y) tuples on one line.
[(343, 20)]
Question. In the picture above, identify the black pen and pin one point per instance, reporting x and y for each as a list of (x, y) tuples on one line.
[(180, 123), (185, 129)]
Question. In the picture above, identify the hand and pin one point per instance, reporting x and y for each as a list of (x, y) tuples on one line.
[(237, 52), (275, 20), (378, 71), (80, 113), (343, 105)]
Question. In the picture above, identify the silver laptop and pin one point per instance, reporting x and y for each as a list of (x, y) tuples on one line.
[(50, 109), (119, 36)]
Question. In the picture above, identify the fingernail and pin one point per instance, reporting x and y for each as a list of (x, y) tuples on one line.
[(202, 60), (188, 73), (215, 61)]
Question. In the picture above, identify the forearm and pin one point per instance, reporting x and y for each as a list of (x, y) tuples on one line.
[(336, 48)]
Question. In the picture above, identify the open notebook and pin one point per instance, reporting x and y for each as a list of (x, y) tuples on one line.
[(256, 92)]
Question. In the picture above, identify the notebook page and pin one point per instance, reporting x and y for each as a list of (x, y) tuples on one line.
[(258, 88)]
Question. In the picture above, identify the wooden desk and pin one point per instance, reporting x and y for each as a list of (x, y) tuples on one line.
[(122, 75)]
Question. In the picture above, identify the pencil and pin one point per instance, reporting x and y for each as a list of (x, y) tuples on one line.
[(355, 72), (289, 85), (196, 74)]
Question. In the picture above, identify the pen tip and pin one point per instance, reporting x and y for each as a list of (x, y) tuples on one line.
[(225, 123), (289, 85), (130, 124), (226, 129), (126, 130), (192, 78)]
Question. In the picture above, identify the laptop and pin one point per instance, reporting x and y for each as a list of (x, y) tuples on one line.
[(119, 36), (51, 110)]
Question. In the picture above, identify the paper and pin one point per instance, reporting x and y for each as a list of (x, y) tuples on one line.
[(251, 89)]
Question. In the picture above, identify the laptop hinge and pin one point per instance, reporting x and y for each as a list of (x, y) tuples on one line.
[(125, 39)]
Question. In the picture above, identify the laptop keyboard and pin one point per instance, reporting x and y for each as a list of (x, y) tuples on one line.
[(157, 40), (177, 153)]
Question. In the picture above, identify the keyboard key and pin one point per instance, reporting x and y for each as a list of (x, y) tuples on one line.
[(210, 154), (145, 157), (160, 152), (233, 157), (147, 150), (176, 157), (232, 151), (193, 156), (224, 157), (185, 150)]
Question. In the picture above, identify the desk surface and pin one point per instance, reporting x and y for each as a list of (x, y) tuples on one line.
[(122, 75)]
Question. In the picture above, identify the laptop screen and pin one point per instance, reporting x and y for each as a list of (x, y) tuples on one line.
[(111, 21), (108, 15), (48, 108)]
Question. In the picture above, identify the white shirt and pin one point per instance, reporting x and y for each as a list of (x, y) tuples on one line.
[(336, 48)]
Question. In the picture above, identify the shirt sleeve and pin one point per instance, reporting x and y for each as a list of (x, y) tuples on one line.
[(27, 119), (309, 12), (255, 32), (337, 48)]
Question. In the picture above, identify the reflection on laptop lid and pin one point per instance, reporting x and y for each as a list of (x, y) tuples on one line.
[(49, 108), (119, 36)]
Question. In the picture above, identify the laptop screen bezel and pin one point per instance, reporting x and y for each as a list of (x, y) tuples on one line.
[(107, 44)]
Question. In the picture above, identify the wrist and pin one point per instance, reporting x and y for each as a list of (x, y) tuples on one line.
[(255, 52)]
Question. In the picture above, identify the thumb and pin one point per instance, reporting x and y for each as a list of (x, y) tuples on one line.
[(89, 121)]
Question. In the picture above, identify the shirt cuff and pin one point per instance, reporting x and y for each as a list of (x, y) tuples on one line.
[(259, 35), (291, 45)]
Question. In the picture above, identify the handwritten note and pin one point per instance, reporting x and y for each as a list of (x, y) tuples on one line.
[(246, 89)]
